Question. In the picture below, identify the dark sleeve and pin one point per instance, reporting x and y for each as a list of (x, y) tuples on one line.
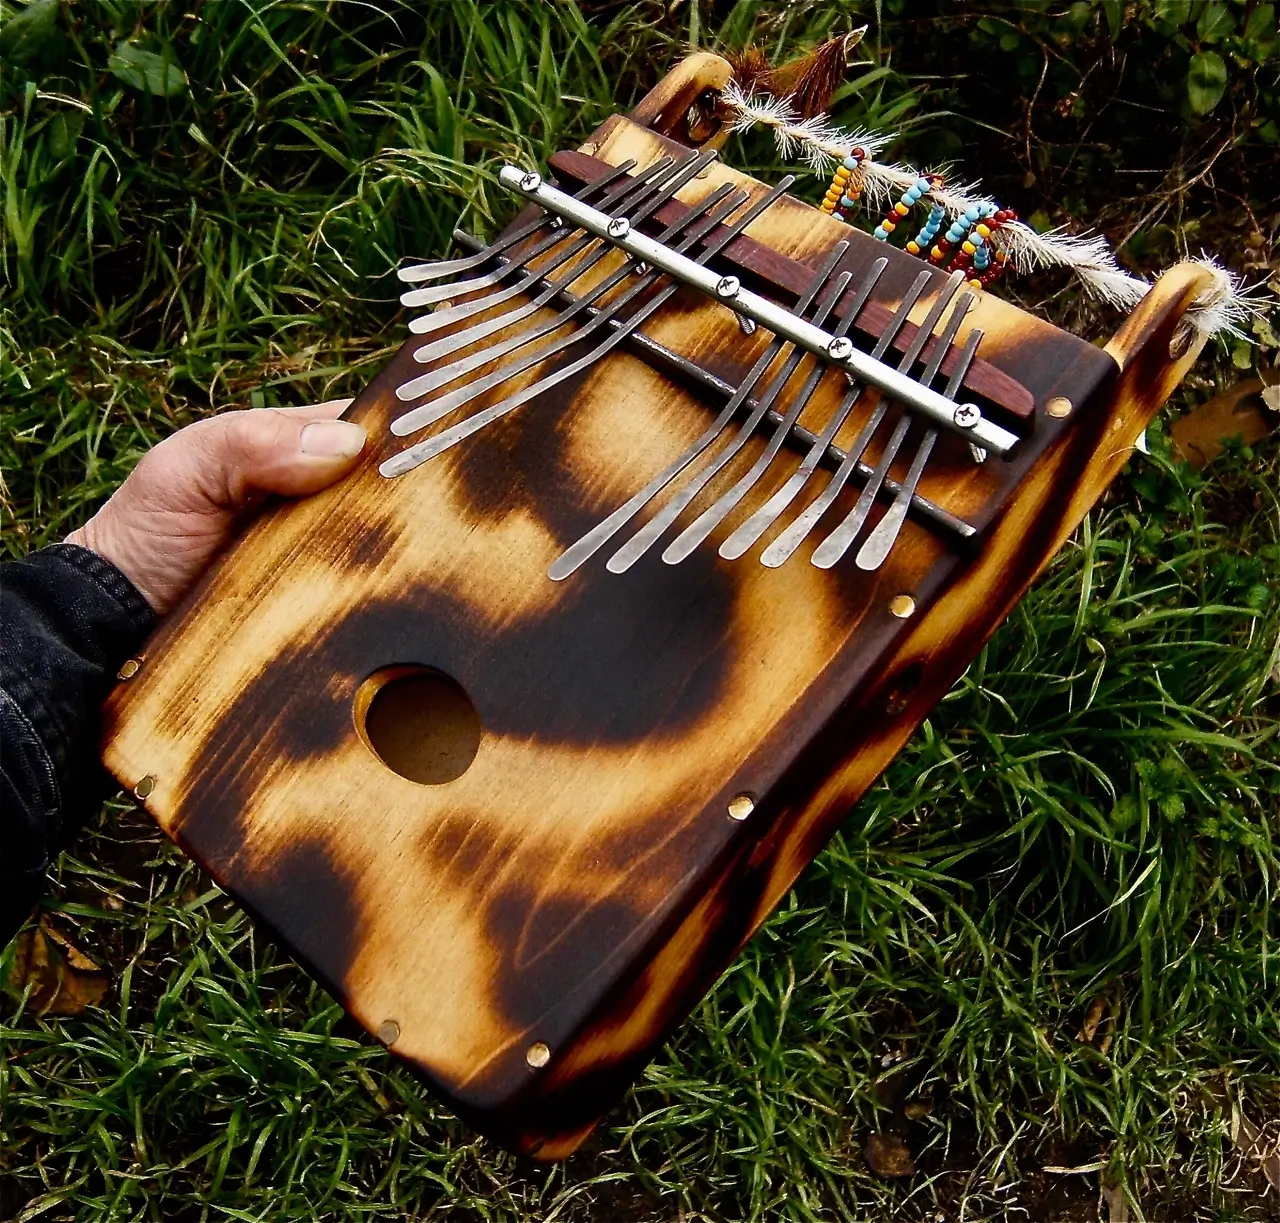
[(68, 619)]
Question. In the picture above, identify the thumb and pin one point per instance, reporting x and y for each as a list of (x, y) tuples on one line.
[(290, 452)]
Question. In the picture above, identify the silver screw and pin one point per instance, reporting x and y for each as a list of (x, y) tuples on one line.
[(840, 349), (531, 181), (967, 415), (728, 287), (979, 453), (619, 227), (557, 222), (642, 268), (747, 325)]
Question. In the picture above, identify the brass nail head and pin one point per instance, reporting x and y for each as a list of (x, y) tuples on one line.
[(130, 668), (537, 1055), (145, 786), (902, 606), (1058, 407), (388, 1032), (741, 806)]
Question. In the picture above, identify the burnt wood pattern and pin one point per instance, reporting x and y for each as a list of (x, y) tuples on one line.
[(582, 884)]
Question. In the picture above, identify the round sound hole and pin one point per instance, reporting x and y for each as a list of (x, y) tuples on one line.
[(419, 723)]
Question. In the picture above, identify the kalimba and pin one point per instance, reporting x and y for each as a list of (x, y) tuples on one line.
[(684, 506)]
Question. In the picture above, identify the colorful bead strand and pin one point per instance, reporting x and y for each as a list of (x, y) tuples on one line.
[(910, 198), (846, 187)]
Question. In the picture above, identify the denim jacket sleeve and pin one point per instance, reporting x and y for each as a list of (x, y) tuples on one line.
[(68, 619)]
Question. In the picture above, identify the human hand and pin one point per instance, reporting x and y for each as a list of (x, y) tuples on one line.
[(179, 507)]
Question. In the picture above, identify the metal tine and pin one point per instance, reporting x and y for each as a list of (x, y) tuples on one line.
[(645, 209), (586, 547), (748, 532), (837, 543), (645, 181), (418, 272), (457, 288), (880, 542), (643, 539), (428, 413), (428, 449), (790, 539), (710, 518)]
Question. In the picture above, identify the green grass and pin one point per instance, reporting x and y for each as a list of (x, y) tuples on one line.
[(1092, 812)]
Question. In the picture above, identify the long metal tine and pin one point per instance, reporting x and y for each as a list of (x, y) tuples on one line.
[(428, 413), (744, 538), (644, 204), (837, 543), (682, 368), (710, 518), (880, 542), (418, 272), (649, 179), (790, 539), (457, 288), (428, 449), (643, 539)]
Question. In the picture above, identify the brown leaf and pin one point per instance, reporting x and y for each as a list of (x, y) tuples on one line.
[(1199, 436), (1250, 1141), (61, 978), (887, 1156)]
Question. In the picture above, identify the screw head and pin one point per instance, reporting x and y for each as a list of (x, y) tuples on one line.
[(741, 806), (840, 349), (728, 287), (129, 669), (967, 415), (531, 181), (145, 786), (388, 1032), (1059, 407), (537, 1055), (619, 227)]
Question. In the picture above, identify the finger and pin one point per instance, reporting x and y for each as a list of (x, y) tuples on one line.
[(327, 410), (265, 450)]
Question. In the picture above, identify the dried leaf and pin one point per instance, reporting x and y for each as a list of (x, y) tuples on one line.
[(62, 980), (1097, 1012), (1271, 397), (1250, 1141), (887, 1156), (1199, 436)]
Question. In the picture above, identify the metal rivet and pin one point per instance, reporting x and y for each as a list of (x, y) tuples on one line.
[(444, 305), (902, 606), (388, 1032), (145, 786), (1058, 407), (531, 181), (619, 227), (728, 287), (966, 415), (131, 668), (746, 325), (537, 1055), (741, 806), (840, 348)]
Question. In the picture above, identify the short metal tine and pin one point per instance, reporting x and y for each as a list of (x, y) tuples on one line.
[(879, 543), (428, 449), (428, 413), (778, 552), (457, 288), (418, 272), (643, 202), (755, 526), (837, 543), (647, 535), (710, 518), (649, 180)]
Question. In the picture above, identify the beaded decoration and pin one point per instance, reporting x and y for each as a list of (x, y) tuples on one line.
[(846, 186)]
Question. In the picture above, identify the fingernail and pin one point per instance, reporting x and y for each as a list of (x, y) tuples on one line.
[(332, 439)]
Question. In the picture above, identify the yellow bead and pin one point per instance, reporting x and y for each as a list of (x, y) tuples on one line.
[(936, 253), (975, 284), (982, 231), (888, 226), (969, 248), (901, 209), (843, 173), (912, 248)]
